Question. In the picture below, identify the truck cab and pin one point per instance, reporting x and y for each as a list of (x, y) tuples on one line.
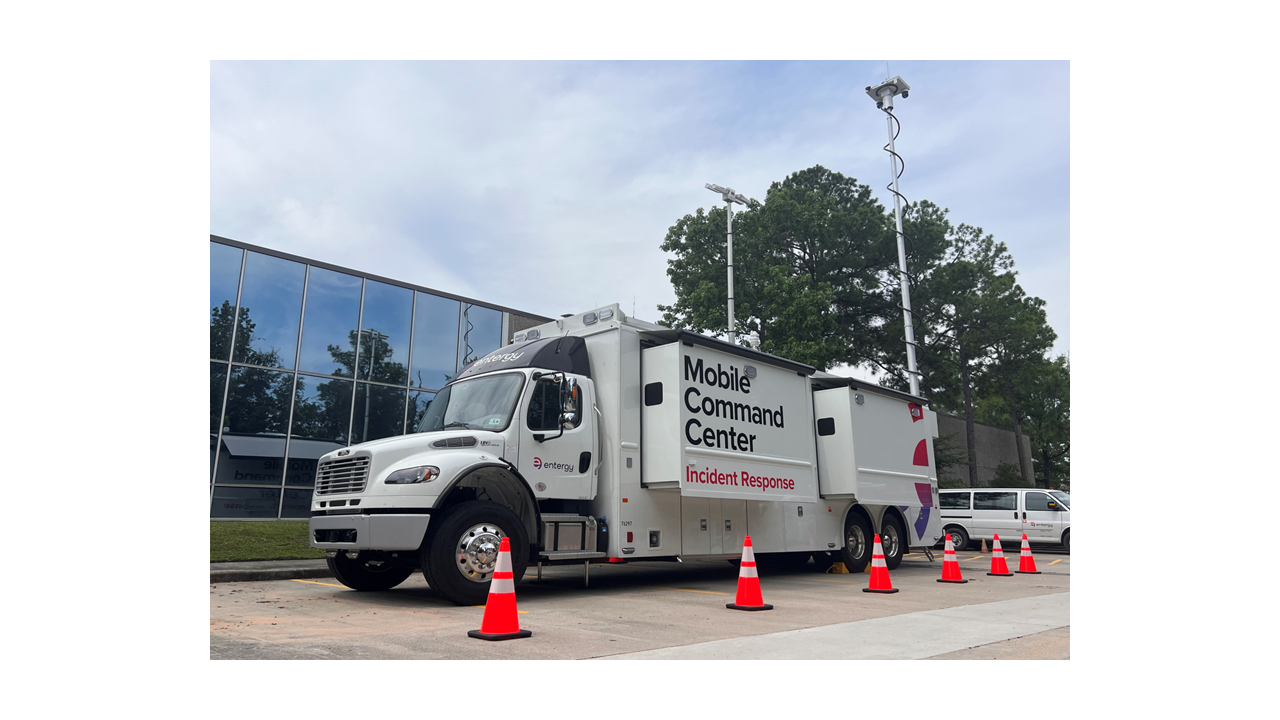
[(508, 434)]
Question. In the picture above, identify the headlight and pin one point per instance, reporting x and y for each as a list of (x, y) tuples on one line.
[(410, 476)]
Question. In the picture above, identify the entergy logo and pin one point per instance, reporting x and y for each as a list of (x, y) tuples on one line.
[(537, 463)]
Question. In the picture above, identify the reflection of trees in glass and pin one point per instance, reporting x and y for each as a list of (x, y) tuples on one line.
[(217, 383), (221, 324), (324, 414), (258, 401), (379, 413), (418, 404), (375, 358)]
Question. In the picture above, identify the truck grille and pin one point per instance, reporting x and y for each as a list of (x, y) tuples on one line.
[(345, 475)]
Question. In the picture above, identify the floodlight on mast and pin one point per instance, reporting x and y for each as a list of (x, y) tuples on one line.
[(883, 94), (730, 197)]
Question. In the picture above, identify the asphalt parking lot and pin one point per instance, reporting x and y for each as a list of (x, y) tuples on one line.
[(664, 611)]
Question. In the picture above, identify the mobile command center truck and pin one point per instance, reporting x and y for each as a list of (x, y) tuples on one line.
[(599, 437)]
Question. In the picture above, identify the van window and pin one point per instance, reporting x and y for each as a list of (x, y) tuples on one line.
[(953, 501), (995, 501), (1037, 501)]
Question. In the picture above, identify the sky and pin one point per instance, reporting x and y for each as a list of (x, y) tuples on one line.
[(549, 186)]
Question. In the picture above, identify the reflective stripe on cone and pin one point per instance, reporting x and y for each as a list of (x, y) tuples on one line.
[(950, 565)]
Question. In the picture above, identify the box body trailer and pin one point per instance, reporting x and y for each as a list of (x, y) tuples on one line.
[(602, 438)]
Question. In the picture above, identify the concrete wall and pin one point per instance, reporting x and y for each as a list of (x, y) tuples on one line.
[(995, 445)]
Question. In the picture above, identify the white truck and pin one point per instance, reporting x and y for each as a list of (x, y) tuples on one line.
[(603, 438)]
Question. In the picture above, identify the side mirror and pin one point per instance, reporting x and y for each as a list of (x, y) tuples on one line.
[(1053, 505), (570, 403)]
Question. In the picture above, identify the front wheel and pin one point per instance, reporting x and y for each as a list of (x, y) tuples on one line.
[(959, 538), (461, 551), (893, 540), (368, 572), (1066, 541)]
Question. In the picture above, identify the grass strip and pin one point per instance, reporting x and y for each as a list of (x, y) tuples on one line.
[(279, 540)]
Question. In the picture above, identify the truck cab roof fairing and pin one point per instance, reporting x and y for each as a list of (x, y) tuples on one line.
[(563, 354)]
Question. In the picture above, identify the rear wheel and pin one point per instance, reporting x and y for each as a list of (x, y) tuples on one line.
[(856, 552), (370, 571), (959, 538), (461, 552), (893, 540)]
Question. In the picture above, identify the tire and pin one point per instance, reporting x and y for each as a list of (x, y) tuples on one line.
[(959, 538), (461, 550), (1066, 541), (893, 540), (368, 573), (856, 552), (822, 561)]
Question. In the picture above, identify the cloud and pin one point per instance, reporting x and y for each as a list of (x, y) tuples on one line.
[(548, 186)]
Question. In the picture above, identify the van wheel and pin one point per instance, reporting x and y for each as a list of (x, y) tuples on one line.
[(461, 550), (856, 552), (959, 538), (1066, 541), (372, 571), (893, 540)]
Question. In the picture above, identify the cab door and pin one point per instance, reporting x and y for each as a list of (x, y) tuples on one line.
[(1039, 522), (558, 464)]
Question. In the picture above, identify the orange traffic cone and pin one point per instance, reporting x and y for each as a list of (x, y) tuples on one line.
[(748, 582), (997, 560), (950, 565), (879, 571), (1026, 563), (501, 621)]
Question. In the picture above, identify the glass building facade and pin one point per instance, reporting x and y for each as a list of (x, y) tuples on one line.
[(306, 357)]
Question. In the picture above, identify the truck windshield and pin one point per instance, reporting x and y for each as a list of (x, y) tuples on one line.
[(484, 403), (1064, 497)]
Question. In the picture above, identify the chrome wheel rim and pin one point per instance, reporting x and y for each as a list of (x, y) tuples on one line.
[(889, 540), (855, 541), (477, 551)]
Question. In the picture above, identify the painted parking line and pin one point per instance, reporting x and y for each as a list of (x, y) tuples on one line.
[(1055, 562), (832, 580), (704, 592), (313, 582)]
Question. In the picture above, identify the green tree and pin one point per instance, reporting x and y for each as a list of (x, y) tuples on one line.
[(1043, 396), (809, 264)]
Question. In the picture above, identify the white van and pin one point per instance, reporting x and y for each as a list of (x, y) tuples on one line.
[(981, 514)]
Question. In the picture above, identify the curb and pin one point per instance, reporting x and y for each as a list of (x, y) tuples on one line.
[(252, 575)]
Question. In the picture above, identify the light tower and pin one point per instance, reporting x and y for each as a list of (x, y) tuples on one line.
[(730, 197), (883, 94)]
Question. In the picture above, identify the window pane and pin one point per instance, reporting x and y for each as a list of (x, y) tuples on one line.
[(384, 347), (480, 334), (435, 341), (544, 406), (953, 501), (270, 305), (995, 501), (418, 404), (231, 502), (258, 402), (329, 329), (224, 278), (1037, 501), (323, 411), (379, 413), (297, 503), (217, 385)]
